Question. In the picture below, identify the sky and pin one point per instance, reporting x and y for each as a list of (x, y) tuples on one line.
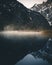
[(30, 3)]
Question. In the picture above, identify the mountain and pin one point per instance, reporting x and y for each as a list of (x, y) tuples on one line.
[(15, 16), (45, 9)]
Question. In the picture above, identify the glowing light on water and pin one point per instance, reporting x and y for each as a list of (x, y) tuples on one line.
[(22, 33)]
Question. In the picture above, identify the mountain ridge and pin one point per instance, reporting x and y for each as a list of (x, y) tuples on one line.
[(15, 14)]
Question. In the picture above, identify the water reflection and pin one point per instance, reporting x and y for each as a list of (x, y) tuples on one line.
[(30, 60), (41, 57), (14, 47)]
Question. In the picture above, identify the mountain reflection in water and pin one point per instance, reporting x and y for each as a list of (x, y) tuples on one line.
[(14, 47), (30, 60)]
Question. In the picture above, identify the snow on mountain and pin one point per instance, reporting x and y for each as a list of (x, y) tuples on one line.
[(45, 9)]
